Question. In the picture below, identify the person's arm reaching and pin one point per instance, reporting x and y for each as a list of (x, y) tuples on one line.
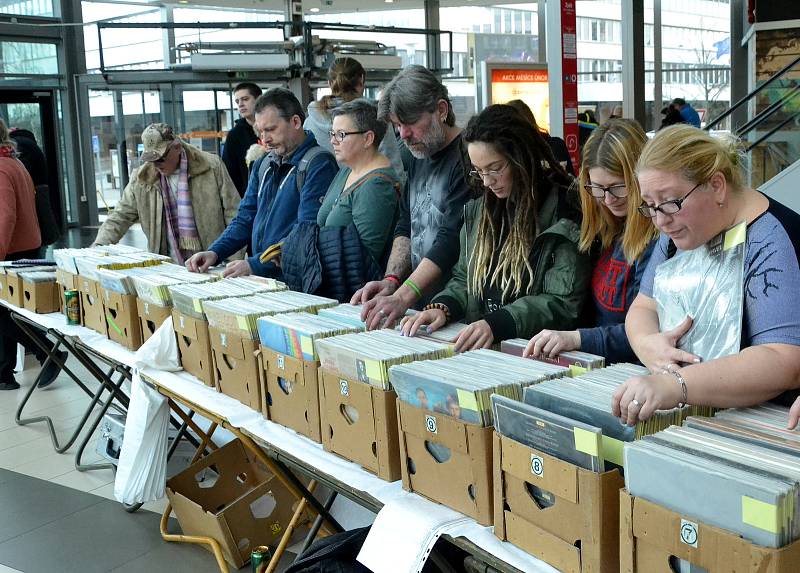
[(119, 219)]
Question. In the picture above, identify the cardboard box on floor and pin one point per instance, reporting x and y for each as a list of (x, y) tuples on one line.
[(229, 496), (653, 539), (194, 346), (41, 298), (151, 316), (462, 481), (359, 422), (92, 309), (236, 370), (122, 318), (66, 281), (574, 523), (291, 393)]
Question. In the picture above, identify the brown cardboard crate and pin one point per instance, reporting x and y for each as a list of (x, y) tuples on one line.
[(652, 537), (122, 319), (41, 298), (370, 440), (66, 281), (579, 531), (291, 393), (236, 370), (194, 346), (13, 289), (3, 284), (151, 316), (234, 509), (464, 480), (92, 309)]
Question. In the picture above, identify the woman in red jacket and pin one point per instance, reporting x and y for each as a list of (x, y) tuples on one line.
[(19, 239)]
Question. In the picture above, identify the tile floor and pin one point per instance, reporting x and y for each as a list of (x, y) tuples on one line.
[(54, 518)]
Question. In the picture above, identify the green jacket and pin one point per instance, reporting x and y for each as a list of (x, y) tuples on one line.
[(560, 282)]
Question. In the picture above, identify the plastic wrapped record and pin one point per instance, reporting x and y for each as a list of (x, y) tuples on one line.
[(707, 284)]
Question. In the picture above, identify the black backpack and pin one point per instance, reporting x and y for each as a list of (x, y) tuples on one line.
[(334, 554)]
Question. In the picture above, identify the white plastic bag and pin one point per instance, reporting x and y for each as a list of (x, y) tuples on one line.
[(160, 351), (142, 468)]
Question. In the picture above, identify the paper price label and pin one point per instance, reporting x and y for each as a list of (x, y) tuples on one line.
[(430, 424), (537, 465), (223, 339), (688, 533), (344, 387), (147, 308), (281, 362), (183, 325)]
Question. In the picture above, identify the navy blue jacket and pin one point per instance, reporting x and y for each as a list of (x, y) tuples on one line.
[(270, 209), (615, 284)]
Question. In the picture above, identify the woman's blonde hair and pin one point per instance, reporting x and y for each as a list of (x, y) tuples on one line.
[(5, 137), (695, 154), (508, 227), (615, 146), (344, 76)]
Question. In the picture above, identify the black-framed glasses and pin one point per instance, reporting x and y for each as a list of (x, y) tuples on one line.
[(340, 135), (492, 174), (667, 207), (618, 190)]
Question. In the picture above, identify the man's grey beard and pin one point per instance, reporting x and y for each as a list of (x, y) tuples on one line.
[(432, 142)]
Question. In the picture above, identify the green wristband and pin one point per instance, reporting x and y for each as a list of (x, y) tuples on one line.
[(410, 284)]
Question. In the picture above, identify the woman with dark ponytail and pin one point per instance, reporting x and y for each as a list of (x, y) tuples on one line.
[(519, 270), (347, 80)]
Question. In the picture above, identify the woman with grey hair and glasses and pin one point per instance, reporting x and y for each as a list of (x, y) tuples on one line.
[(365, 191)]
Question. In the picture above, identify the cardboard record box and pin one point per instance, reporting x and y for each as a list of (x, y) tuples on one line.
[(236, 370), (122, 319), (40, 297), (66, 281), (291, 393), (92, 308), (151, 317), (194, 346)]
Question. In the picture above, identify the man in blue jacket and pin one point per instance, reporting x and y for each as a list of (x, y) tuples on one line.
[(286, 186)]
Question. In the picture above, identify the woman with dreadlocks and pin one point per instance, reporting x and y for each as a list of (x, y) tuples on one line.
[(519, 270)]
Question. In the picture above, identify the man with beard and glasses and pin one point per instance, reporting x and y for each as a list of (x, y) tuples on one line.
[(426, 244)]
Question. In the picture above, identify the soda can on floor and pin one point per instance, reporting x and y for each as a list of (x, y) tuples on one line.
[(260, 558), (72, 307)]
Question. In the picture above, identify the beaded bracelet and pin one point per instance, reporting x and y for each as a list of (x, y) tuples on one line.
[(439, 306)]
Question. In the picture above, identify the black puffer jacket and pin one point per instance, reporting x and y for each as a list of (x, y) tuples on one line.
[(330, 261)]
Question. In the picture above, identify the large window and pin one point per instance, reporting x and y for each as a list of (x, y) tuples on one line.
[(28, 58), (27, 7)]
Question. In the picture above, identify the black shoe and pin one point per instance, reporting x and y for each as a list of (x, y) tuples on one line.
[(9, 384), (50, 372)]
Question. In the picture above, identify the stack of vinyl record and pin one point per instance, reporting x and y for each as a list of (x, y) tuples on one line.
[(37, 276), (119, 249), (350, 313), (153, 286), (189, 298), (294, 334), (446, 334), (65, 258), (739, 471), (583, 360), (461, 386), (240, 315), (587, 399), (367, 356)]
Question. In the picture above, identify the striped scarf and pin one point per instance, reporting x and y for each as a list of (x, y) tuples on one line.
[(181, 227)]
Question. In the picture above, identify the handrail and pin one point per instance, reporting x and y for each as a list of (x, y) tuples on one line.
[(767, 113), (749, 96), (778, 127)]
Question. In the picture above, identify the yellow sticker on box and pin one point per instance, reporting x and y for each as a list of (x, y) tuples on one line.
[(306, 345), (586, 441), (467, 400), (735, 236), (760, 514), (612, 450), (198, 306), (576, 370), (373, 370), (242, 322)]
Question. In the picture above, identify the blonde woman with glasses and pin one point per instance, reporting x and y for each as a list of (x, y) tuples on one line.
[(692, 188), (519, 268), (619, 238)]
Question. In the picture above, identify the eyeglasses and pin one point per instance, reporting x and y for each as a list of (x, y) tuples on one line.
[(667, 207), (492, 174), (618, 190), (340, 135)]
